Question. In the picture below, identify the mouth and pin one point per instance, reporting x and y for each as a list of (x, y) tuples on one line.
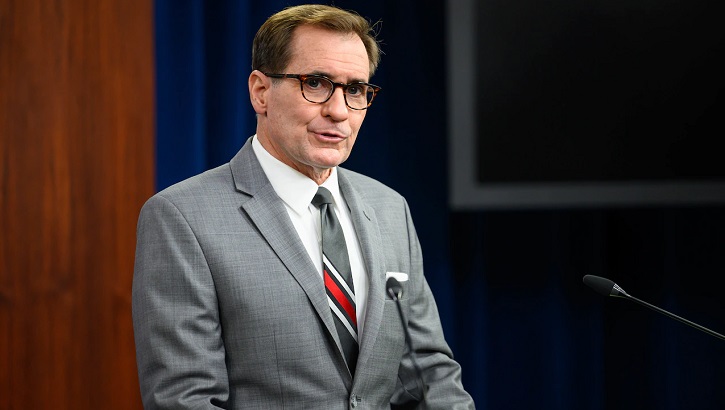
[(330, 136)]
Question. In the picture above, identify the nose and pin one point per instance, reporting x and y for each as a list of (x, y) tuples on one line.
[(335, 107)]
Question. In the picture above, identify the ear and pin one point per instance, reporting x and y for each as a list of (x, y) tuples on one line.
[(259, 84)]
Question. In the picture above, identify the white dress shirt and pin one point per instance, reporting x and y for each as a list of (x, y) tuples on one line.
[(296, 191)]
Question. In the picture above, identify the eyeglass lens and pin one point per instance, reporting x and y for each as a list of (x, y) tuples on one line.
[(318, 90)]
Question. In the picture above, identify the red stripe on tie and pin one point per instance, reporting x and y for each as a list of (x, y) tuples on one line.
[(340, 297)]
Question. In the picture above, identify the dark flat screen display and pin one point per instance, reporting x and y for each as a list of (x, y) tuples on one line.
[(599, 90)]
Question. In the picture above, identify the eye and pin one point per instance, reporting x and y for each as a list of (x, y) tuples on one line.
[(313, 83), (355, 90)]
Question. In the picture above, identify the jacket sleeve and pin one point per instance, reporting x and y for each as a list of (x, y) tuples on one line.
[(179, 349), (441, 373)]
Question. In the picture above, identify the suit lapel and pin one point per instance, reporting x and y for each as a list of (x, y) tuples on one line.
[(368, 233), (267, 212)]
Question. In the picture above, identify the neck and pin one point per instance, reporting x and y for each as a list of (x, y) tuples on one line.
[(319, 175)]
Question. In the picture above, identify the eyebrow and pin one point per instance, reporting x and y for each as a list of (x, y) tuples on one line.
[(328, 75)]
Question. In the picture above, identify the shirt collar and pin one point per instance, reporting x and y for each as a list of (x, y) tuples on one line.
[(294, 188)]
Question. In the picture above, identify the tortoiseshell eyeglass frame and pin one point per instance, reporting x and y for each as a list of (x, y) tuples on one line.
[(304, 77)]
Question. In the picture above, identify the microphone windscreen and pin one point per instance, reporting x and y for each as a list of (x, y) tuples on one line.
[(601, 285), (392, 285)]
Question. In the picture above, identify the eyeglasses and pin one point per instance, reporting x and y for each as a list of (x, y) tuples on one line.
[(318, 89)]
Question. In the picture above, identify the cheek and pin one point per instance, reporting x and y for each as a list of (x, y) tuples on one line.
[(351, 141), (355, 124), (356, 120), (291, 112)]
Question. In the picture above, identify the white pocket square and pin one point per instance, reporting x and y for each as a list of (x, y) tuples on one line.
[(399, 276)]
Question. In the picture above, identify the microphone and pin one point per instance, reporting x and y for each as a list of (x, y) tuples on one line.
[(395, 290), (606, 287)]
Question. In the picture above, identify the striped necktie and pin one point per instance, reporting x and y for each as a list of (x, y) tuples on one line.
[(338, 277)]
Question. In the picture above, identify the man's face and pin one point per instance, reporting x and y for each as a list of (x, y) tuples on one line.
[(309, 137)]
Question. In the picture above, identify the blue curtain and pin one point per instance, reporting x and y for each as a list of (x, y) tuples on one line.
[(508, 284)]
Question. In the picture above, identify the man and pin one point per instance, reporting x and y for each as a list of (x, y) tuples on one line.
[(243, 297)]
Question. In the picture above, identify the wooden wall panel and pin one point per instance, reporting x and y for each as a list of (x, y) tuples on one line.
[(76, 164)]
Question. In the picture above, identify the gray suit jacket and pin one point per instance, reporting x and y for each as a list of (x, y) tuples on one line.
[(229, 311)]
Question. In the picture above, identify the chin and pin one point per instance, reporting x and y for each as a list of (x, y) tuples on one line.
[(331, 161)]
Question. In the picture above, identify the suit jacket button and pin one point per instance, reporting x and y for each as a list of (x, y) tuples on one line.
[(354, 400)]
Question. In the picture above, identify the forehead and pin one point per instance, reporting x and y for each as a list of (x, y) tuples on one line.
[(322, 51)]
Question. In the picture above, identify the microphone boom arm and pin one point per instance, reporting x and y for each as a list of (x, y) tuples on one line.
[(674, 316), (606, 287)]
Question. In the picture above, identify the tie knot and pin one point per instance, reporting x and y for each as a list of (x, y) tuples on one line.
[(323, 196)]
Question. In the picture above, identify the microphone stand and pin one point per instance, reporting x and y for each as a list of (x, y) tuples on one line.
[(395, 290)]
